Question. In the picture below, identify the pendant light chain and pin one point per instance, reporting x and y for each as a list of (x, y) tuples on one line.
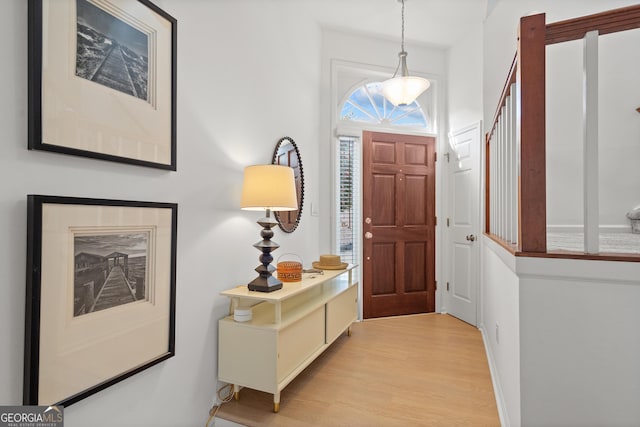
[(402, 39)]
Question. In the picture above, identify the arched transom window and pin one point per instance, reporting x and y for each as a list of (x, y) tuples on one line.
[(367, 104)]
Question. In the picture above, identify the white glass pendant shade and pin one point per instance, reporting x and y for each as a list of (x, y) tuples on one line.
[(404, 90)]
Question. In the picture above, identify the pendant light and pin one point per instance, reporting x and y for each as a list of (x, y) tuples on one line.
[(403, 89)]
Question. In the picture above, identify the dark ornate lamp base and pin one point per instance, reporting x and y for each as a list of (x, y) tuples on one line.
[(266, 282), (262, 284)]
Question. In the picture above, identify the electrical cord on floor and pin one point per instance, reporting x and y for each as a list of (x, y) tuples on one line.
[(222, 399)]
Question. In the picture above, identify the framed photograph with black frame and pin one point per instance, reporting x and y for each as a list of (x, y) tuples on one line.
[(101, 286), (102, 80)]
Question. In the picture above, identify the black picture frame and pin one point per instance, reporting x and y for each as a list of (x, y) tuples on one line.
[(71, 112), (70, 354)]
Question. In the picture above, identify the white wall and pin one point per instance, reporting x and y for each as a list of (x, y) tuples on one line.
[(500, 36), (242, 84), (619, 130), (564, 134), (580, 345), (568, 348), (501, 327), (464, 65)]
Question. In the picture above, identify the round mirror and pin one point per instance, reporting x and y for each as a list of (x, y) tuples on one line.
[(287, 154)]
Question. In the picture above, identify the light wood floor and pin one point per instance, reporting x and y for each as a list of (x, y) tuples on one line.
[(428, 370)]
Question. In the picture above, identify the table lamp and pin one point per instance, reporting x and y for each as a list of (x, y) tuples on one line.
[(269, 188)]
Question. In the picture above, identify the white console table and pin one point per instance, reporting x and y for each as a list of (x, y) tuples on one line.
[(289, 328)]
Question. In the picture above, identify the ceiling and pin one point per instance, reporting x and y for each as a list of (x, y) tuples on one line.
[(432, 22)]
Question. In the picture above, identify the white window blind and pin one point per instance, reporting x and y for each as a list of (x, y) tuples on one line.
[(348, 199)]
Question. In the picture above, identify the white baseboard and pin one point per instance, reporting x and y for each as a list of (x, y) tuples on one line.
[(580, 228), (497, 389)]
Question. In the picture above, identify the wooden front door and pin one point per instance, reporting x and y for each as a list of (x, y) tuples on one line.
[(399, 224)]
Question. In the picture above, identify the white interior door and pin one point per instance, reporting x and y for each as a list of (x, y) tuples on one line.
[(464, 223)]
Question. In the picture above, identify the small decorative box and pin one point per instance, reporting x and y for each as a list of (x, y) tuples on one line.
[(289, 271)]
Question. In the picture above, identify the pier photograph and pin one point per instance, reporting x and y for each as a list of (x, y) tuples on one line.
[(110, 270), (111, 52)]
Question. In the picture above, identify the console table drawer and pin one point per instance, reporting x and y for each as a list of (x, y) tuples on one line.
[(342, 311), (299, 341)]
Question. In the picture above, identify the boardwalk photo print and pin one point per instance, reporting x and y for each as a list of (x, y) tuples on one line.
[(111, 52), (110, 270)]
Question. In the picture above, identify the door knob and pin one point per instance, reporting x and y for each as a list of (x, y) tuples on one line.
[(367, 220), (471, 238), (368, 235)]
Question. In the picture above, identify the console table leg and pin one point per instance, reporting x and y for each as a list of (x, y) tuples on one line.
[(349, 331), (236, 392), (276, 402)]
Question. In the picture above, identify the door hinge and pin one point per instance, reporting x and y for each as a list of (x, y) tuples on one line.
[(435, 219), (435, 156), (447, 222), (436, 284), (447, 286), (447, 156)]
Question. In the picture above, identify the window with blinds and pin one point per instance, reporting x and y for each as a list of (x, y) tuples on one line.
[(348, 199)]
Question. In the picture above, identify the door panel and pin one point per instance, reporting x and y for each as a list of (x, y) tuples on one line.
[(415, 200), (464, 210), (384, 198), (415, 154), (384, 269), (399, 226), (461, 279), (415, 254), (383, 152)]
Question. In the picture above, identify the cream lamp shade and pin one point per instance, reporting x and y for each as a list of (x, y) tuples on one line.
[(269, 187)]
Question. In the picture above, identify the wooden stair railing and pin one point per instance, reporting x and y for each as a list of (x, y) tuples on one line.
[(528, 73)]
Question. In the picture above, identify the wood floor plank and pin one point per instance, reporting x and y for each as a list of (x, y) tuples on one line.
[(415, 370)]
